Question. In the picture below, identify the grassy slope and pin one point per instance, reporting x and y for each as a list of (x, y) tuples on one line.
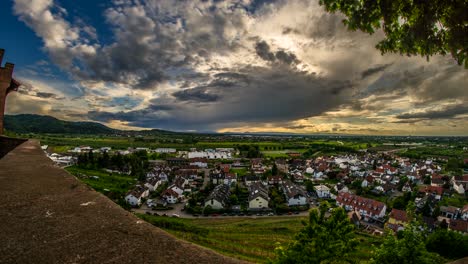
[(252, 239), (115, 183)]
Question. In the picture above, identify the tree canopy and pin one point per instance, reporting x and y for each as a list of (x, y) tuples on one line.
[(421, 28), (322, 240)]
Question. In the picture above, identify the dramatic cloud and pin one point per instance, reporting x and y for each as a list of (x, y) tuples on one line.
[(239, 65), (445, 112)]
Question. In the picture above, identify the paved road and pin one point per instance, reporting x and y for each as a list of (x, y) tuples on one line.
[(178, 210)]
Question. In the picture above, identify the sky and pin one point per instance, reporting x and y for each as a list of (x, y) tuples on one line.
[(222, 66)]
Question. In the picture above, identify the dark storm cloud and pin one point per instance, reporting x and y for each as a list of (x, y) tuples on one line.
[(256, 95), (286, 57), (48, 95), (27, 88), (200, 94), (374, 70), (263, 51), (444, 113)]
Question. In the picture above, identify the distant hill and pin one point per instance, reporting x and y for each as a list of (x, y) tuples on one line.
[(28, 123)]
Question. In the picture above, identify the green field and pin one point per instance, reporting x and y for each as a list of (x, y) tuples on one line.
[(118, 185), (246, 238)]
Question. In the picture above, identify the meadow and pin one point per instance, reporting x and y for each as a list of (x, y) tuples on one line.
[(113, 185), (251, 239)]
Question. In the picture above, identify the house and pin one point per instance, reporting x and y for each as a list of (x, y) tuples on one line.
[(464, 213), (340, 187), (135, 196), (459, 226), (230, 178), (199, 162), (295, 195), (219, 197), (272, 180), (437, 191), (437, 180), (297, 176), (176, 161), (322, 191), (368, 208), (406, 187), (458, 187), (397, 220), (165, 150), (282, 165), (355, 218), (217, 177), (249, 179), (449, 211), (171, 196), (257, 166), (225, 168), (152, 184), (462, 180), (258, 196)]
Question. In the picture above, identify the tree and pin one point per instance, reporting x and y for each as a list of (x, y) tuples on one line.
[(448, 244), (274, 170), (421, 28), (322, 240), (409, 248)]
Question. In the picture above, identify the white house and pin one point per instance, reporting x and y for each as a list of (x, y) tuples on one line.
[(230, 178), (294, 194), (134, 196), (322, 191), (165, 150), (464, 212), (258, 196), (153, 184), (170, 196)]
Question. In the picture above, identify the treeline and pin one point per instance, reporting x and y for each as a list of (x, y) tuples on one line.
[(249, 151), (135, 164)]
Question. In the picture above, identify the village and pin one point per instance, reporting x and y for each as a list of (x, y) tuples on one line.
[(374, 188)]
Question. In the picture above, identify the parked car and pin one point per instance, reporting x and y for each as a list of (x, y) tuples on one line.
[(271, 214), (175, 215)]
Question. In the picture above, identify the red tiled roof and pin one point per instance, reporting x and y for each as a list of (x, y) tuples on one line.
[(432, 189), (399, 215), (360, 203), (459, 225)]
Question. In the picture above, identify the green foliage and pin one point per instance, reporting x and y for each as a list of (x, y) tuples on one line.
[(409, 248), (249, 151), (274, 170), (173, 224), (457, 200), (114, 186), (448, 244), (322, 240), (421, 28)]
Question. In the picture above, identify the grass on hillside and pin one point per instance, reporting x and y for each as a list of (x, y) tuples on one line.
[(117, 184), (247, 238)]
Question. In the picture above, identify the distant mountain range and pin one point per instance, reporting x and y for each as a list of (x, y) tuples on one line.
[(28, 123)]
